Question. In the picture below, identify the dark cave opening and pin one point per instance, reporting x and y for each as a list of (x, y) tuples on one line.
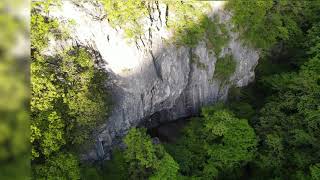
[(170, 131)]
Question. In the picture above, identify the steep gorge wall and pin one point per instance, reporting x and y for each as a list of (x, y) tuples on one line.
[(152, 80)]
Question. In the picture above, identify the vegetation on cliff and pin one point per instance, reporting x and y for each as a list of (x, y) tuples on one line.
[(187, 20), (225, 67), (68, 100)]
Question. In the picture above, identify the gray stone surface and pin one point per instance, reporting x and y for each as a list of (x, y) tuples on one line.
[(152, 81)]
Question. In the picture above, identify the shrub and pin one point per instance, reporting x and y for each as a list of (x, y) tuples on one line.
[(217, 35), (141, 159), (225, 67), (127, 15)]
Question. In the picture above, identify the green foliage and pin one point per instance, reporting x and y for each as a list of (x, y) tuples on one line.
[(242, 109), (127, 15), (62, 166), (14, 124), (140, 154), (68, 100), (189, 150), (292, 115), (288, 124), (313, 40), (90, 171), (141, 160), (215, 145), (192, 25), (315, 171), (250, 19), (263, 23), (288, 120), (225, 67), (41, 31), (167, 169), (238, 142), (217, 35), (188, 23), (66, 112), (146, 159), (117, 167), (10, 27)]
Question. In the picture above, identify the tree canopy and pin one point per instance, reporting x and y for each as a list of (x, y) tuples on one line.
[(215, 145), (68, 99)]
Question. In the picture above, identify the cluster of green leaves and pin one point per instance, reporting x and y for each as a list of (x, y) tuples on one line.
[(215, 145), (14, 125), (68, 100), (127, 15), (188, 21), (225, 67), (191, 25), (61, 166), (217, 35), (315, 171), (63, 106), (142, 159), (264, 23)]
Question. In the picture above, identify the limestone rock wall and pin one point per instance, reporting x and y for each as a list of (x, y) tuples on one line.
[(152, 81)]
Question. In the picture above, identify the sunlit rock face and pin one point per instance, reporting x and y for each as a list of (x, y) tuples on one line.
[(152, 81)]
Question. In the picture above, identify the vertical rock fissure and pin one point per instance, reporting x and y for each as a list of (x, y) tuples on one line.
[(167, 14), (189, 82), (144, 45), (150, 43), (137, 45), (151, 99), (142, 103), (221, 87), (150, 13), (190, 67), (159, 11), (157, 69)]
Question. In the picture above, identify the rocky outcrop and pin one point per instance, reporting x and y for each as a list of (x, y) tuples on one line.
[(152, 80)]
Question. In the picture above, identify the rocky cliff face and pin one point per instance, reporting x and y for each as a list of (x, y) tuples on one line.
[(152, 80)]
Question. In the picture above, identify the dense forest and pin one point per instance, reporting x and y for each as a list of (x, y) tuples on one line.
[(267, 130)]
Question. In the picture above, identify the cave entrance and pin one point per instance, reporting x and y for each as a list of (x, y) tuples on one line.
[(170, 131)]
